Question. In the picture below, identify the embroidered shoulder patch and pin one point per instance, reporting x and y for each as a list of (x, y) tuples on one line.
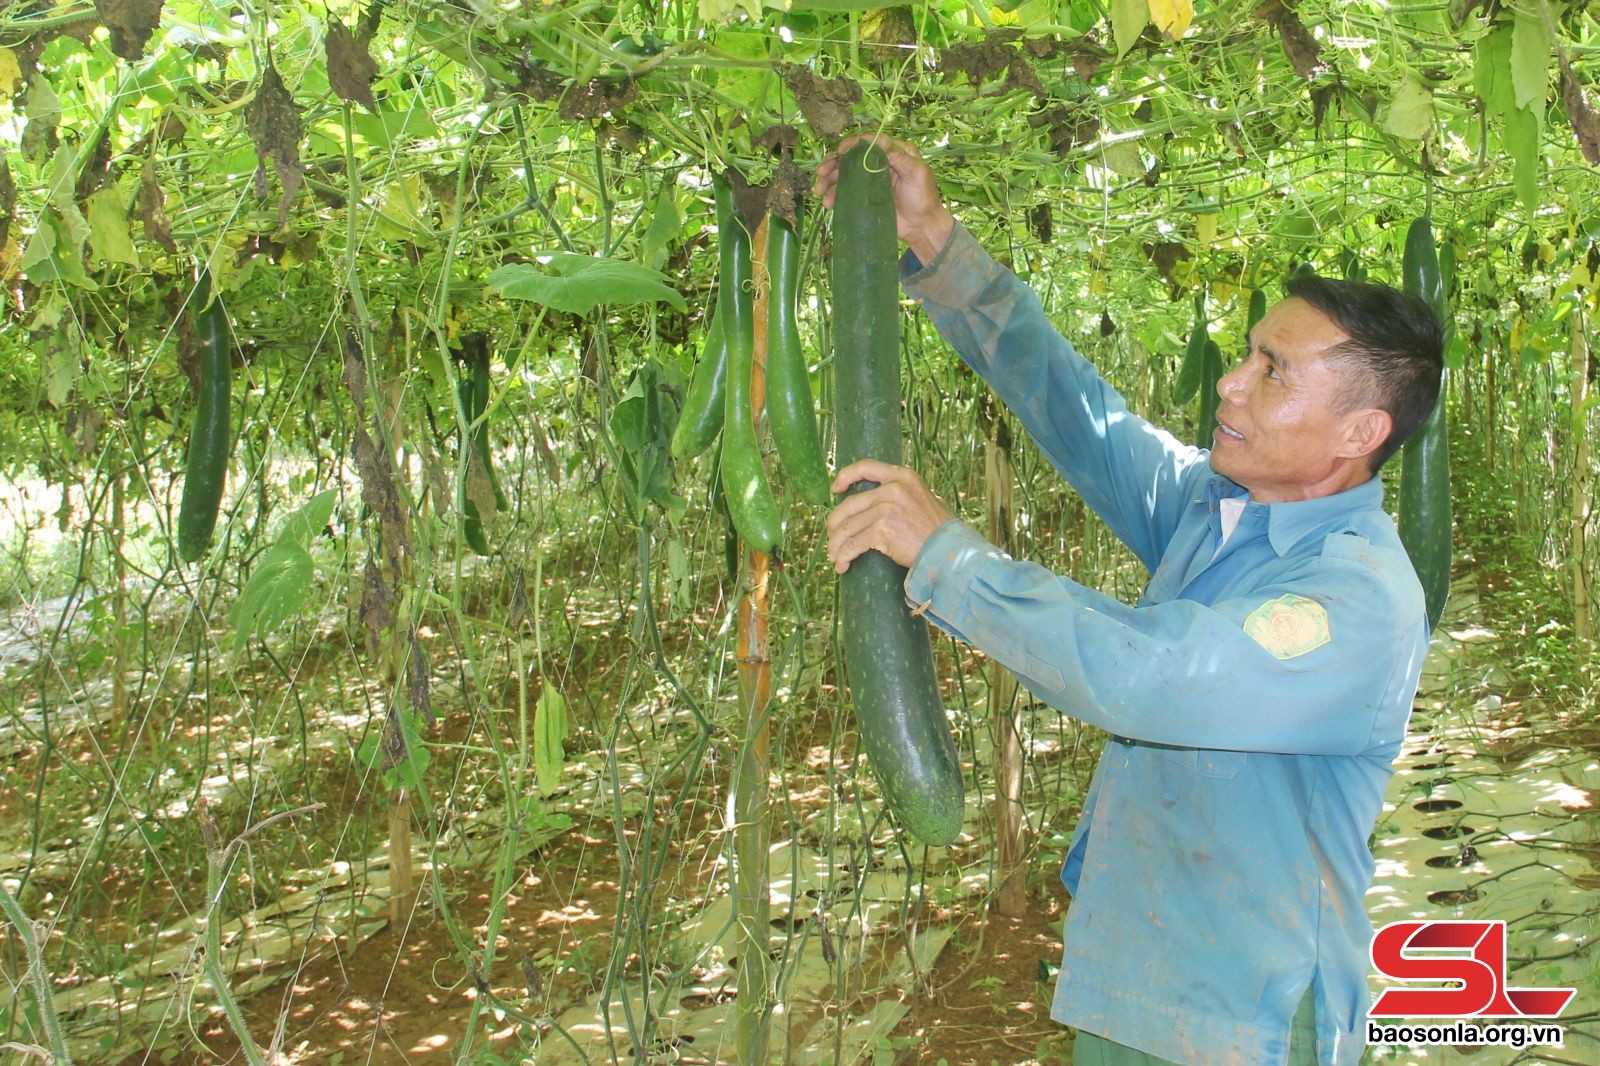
[(1289, 626)]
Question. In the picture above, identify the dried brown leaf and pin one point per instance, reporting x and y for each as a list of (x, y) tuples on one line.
[(1020, 75), (1166, 255), (1320, 98), (826, 103), (274, 125), (377, 602), (628, 136), (351, 67), (1068, 127), (779, 140), (185, 341), (978, 60), (374, 465), (597, 98), (420, 688), (151, 210), (1585, 122), (750, 201), (788, 186), (537, 82), (1041, 222), (1304, 53), (131, 23), (1042, 47)]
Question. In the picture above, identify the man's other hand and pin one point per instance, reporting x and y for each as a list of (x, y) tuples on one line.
[(896, 518), (921, 218)]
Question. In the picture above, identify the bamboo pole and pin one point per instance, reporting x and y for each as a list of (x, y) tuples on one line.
[(1491, 412), (1582, 624), (1005, 726), (119, 600), (752, 834)]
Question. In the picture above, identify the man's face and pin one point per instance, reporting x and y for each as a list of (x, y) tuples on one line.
[(1279, 432)]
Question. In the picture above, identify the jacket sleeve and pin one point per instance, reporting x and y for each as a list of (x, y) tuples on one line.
[(1304, 664), (1136, 477)]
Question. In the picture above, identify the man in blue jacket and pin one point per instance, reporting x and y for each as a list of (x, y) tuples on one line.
[(1256, 695)]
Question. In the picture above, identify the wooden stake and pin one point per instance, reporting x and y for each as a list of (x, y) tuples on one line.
[(1582, 625), (1491, 411), (752, 835)]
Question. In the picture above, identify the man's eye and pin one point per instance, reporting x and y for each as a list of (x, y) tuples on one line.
[(1272, 372)]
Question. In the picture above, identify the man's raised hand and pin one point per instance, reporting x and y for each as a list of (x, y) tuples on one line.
[(895, 518), (921, 219)]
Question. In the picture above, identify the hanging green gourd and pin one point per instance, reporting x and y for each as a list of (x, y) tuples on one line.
[(1425, 520), (890, 661)]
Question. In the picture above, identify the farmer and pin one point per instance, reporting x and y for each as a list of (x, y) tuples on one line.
[(1257, 693)]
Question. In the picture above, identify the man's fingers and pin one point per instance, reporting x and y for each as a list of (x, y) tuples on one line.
[(853, 510), (866, 470), (859, 530)]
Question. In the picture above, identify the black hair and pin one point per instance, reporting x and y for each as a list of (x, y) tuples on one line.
[(1396, 350)]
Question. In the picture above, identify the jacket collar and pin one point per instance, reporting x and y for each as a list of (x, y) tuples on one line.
[(1288, 523)]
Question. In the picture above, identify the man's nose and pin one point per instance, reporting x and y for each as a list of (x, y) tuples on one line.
[(1231, 385)]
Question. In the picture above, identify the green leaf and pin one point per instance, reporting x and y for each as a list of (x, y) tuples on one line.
[(1530, 55), (750, 82), (61, 374), (275, 592), (665, 227), (1128, 18), (108, 227), (1124, 158), (368, 754), (1411, 113), (549, 732), (303, 526), (1522, 144), (388, 128), (723, 10), (1491, 71), (578, 284)]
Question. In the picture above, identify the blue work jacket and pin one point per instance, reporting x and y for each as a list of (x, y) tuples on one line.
[(1256, 697)]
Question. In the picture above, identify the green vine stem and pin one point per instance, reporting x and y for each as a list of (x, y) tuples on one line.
[(219, 864), (38, 978)]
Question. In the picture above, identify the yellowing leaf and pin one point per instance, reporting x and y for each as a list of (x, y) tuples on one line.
[(1124, 158), (1411, 113), (1128, 18), (61, 373), (10, 72), (403, 214), (1530, 55), (549, 731), (8, 258), (1172, 17), (1205, 229), (108, 227), (1522, 144), (716, 11)]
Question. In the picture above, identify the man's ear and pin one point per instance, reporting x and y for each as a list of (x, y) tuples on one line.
[(1365, 430)]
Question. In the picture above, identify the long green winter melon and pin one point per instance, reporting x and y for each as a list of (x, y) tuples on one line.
[(890, 661), (1210, 375), (744, 479), (1425, 459), (789, 405), (210, 442)]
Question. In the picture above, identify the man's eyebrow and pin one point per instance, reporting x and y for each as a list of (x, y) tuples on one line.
[(1280, 363)]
